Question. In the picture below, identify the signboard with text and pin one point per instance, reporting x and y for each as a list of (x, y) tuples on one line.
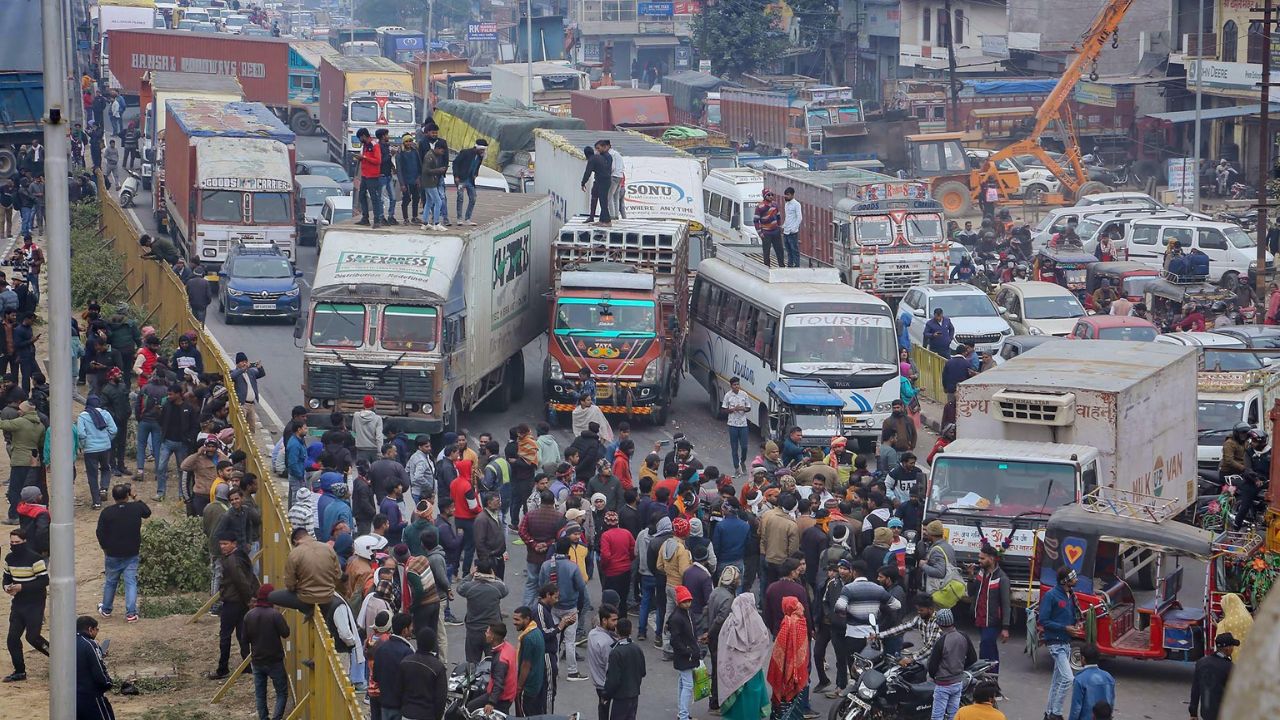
[(655, 9), (482, 32), (1182, 178)]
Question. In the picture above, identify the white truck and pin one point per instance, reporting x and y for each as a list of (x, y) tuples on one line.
[(430, 324), (1226, 398), (111, 15), (662, 182), (159, 87), (552, 83), (1049, 426)]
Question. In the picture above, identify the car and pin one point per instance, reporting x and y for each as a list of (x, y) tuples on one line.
[(1020, 344), (1120, 198), (1259, 337), (1114, 327), (254, 31), (336, 209), (235, 23), (1032, 179), (312, 192), (257, 281), (331, 170), (976, 320), (1212, 360), (1032, 307), (204, 27)]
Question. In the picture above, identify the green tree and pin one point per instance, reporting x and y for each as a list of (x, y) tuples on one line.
[(737, 36)]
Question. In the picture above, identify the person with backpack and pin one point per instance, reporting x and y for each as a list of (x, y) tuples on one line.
[(940, 569), (951, 654)]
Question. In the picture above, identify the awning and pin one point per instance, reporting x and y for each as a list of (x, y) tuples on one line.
[(1213, 113), (659, 41)]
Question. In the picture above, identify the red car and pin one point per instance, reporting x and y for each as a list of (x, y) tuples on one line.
[(1113, 327)]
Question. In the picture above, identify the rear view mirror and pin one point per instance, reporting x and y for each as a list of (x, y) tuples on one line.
[(918, 312), (299, 328)]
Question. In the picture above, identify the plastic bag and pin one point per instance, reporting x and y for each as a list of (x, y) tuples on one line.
[(701, 682)]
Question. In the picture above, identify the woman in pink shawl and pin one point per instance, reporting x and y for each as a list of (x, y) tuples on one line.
[(1273, 306), (743, 649)]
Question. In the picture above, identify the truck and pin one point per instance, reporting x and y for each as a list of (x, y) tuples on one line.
[(696, 96), (663, 183), (616, 108), (620, 309), (400, 46), (552, 83), (228, 177), (1226, 398), (429, 324), (304, 83), (786, 118), (21, 84), (267, 68), (112, 15), (363, 92), (160, 86), (883, 234), (1057, 423)]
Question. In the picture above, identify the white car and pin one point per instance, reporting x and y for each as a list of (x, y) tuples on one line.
[(235, 23), (975, 319), (1031, 178), (336, 209), (1038, 308)]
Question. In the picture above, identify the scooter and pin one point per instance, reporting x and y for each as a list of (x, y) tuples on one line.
[(129, 189), (467, 682)]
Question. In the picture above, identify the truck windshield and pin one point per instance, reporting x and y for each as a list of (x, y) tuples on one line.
[(271, 208), (222, 205), (1005, 487), (605, 318), (713, 114), (364, 111), (400, 112), (409, 327), (1215, 418), (334, 325), (874, 230), (923, 230), (835, 341)]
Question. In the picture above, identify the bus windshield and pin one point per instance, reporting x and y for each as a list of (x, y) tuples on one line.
[(604, 318), (1005, 487), (818, 342), (334, 325)]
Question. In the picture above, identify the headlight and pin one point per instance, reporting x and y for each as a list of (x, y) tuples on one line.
[(427, 408), (1034, 331), (1007, 331), (314, 403), (292, 293), (650, 373), (865, 692), (553, 367), (234, 293), (884, 407)]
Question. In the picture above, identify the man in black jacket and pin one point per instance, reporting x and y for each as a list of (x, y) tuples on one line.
[(92, 680), (425, 681), (387, 172), (1209, 684), (363, 504), (685, 654), (120, 537), (238, 588), (26, 580), (177, 432), (386, 663), (590, 452), (600, 165), (466, 168), (115, 400), (625, 673)]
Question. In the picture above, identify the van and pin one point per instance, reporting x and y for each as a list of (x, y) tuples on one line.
[(1232, 252), (1056, 221), (729, 197)]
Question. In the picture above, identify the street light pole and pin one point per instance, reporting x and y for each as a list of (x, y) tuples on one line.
[(528, 26), (426, 93), (1195, 174), (62, 570)]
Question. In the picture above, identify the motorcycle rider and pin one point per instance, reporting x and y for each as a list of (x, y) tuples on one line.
[(963, 272), (1235, 458), (1259, 453), (1221, 314)]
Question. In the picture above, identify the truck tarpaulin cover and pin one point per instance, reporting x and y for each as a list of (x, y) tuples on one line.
[(686, 87), (21, 20), (236, 119), (506, 123), (1011, 87)]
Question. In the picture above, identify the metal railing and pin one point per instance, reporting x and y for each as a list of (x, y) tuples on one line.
[(317, 678), (929, 366)]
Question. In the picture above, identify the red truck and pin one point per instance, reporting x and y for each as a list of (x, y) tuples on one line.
[(265, 67), (776, 119), (612, 108), (228, 170)]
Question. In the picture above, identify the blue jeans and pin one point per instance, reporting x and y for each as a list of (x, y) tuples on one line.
[(648, 584), (433, 208), (1062, 677), (946, 701), (685, 694), (370, 195), (468, 529), (279, 680), (388, 190), (531, 583), (18, 475), (470, 187), (738, 446), (988, 646), (791, 243), (168, 449), (97, 470), (27, 214), (116, 567), (148, 436)]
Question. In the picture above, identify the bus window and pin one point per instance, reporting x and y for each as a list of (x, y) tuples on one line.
[(736, 220), (713, 206)]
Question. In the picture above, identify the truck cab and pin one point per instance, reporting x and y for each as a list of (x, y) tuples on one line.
[(237, 200), (890, 238)]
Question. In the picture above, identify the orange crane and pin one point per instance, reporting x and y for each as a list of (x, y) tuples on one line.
[(1054, 110)]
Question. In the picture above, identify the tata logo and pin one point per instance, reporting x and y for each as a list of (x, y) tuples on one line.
[(607, 352), (657, 191)]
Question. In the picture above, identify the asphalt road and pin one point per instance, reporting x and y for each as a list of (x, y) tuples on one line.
[(1148, 690)]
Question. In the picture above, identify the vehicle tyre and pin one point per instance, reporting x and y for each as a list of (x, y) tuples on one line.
[(841, 710), (955, 198), (1077, 659), (515, 375), (302, 124), (661, 414), (451, 417), (1091, 187), (8, 161), (1035, 193), (500, 399), (714, 397), (1229, 280)]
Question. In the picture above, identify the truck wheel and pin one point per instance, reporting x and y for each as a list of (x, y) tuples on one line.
[(661, 413), (714, 397), (515, 377), (8, 162), (451, 415), (954, 197), (146, 184), (302, 124)]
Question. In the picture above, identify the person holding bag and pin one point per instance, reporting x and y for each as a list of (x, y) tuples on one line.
[(942, 578)]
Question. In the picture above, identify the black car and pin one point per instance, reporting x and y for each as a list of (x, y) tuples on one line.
[(1019, 344)]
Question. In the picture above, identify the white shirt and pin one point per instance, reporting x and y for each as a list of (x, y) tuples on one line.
[(792, 215), (618, 166), (735, 402)]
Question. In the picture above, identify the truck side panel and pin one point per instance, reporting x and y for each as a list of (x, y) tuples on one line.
[(261, 64), (179, 168), (333, 90), (22, 97), (817, 233), (763, 114)]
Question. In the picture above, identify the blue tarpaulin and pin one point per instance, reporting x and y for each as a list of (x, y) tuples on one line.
[(1011, 87)]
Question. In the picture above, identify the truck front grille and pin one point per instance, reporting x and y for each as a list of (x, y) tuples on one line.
[(392, 387)]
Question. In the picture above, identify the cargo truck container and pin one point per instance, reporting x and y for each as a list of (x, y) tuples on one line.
[(620, 310), (1053, 424), (363, 92), (429, 324), (400, 46), (267, 68), (696, 97), (552, 83), (883, 234), (157, 89), (112, 15), (228, 170), (615, 108), (21, 84), (790, 118)]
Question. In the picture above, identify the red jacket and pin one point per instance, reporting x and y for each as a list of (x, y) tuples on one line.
[(370, 161), (622, 469), (617, 550), (505, 654), (464, 508)]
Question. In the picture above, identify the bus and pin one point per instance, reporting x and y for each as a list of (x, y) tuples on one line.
[(761, 324)]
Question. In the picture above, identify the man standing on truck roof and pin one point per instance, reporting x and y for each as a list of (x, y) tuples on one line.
[(386, 174), (768, 227), (792, 215), (466, 167), (430, 141), (370, 184), (409, 167), (617, 179)]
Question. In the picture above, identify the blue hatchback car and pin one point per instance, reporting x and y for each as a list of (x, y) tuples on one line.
[(257, 281)]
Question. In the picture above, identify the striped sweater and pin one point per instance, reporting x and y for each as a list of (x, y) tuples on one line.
[(25, 568), (858, 600)]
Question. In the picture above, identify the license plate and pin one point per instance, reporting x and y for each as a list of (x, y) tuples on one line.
[(602, 392), (264, 306)]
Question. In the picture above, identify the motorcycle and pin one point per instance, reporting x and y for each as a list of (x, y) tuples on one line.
[(882, 689), (467, 682), (1243, 191), (1247, 221), (129, 189)]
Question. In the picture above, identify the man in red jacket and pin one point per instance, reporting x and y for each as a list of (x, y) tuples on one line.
[(617, 552), (370, 179)]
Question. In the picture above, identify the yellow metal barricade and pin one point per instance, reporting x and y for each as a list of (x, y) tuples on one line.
[(316, 673), (929, 365)]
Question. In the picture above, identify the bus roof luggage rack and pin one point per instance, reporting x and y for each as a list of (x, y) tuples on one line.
[(1185, 278), (748, 258), (1128, 504)]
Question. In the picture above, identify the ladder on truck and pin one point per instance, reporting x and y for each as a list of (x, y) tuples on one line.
[(748, 258), (1129, 504), (940, 263)]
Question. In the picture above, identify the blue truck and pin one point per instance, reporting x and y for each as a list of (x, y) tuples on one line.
[(21, 82)]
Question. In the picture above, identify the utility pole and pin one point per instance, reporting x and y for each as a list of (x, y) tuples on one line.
[(1195, 175), (953, 117), (426, 93), (62, 540), (1264, 147), (528, 27)]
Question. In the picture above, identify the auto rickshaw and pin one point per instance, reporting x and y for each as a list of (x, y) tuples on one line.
[(1127, 278), (1067, 267), (1118, 544), (1165, 298), (807, 404)]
